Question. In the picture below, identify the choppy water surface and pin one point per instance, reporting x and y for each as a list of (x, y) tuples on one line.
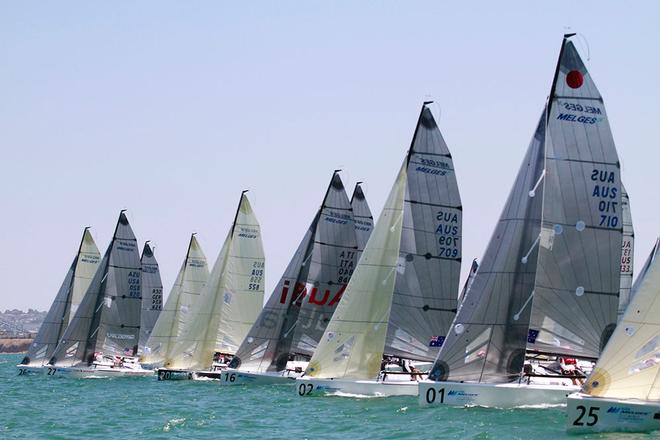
[(61, 408)]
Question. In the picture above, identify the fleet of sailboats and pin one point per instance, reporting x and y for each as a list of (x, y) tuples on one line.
[(549, 316)]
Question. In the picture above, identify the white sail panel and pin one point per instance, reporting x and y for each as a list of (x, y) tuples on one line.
[(188, 286), (627, 254), (576, 292), (352, 344), (87, 263), (629, 367)]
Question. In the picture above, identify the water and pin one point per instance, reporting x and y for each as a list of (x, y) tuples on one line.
[(61, 408)]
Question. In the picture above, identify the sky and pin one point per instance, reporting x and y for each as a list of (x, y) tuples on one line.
[(171, 109)]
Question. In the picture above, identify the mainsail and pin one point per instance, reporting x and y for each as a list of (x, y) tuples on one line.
[(297, 312), (627, 251), (152, 294), (628, 367), (549, 279), (403, 294), (190, 280), (108, 318), (66, 302), (231, 299)]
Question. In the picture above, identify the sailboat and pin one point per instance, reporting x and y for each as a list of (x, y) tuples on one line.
[(64, 306), (227, 307), (548, 286), (187, 288), (287, 330), (102, 338), (152, 295), (402, 297), (623, 391)]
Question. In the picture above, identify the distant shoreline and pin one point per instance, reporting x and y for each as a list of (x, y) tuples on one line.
[(14, 345)]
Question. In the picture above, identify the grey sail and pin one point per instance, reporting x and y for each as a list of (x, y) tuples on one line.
[(627, 251), (576, 293), (299, 308), (85, 262), (428, 270), (364, 221), (333, 259), (108, 318), (488, 338), (152, 294)]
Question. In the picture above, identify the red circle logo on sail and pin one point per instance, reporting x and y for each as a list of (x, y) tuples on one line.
[(574, 79)]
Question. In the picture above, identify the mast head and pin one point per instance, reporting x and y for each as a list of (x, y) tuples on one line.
[(567, 36)]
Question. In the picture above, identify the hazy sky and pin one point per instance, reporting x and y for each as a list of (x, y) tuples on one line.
[(170, 109)]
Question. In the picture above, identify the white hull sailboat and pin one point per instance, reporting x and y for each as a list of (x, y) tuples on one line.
[(402, 298), (279, 345), (227, 306), (623, 391), (549, 282)]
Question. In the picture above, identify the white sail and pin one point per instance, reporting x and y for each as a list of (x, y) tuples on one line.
[(88, 261), (186, 289), (231, 300), (353, 343), (627, 251), (629, 367)]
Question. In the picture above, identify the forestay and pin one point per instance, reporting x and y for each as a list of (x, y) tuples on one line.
[(66, 302), (108, 318), (190, 280), (152, 294), (303, 301), (628, 367), (403, 294), (231, 299)]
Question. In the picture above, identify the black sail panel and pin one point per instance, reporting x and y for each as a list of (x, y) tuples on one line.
[(578, 279), (488, 337), (152, 294), (428, 271)]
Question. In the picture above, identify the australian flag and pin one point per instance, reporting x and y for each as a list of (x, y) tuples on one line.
[(437, 341), (532, 335)]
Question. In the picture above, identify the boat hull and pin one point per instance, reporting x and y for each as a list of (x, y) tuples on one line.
[(92, 372), (237, 377), (596, 414), (306, 386), (510, 395)]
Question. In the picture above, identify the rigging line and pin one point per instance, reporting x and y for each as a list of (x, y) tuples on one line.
[(524, 259), (517, 315), (532, 193)]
